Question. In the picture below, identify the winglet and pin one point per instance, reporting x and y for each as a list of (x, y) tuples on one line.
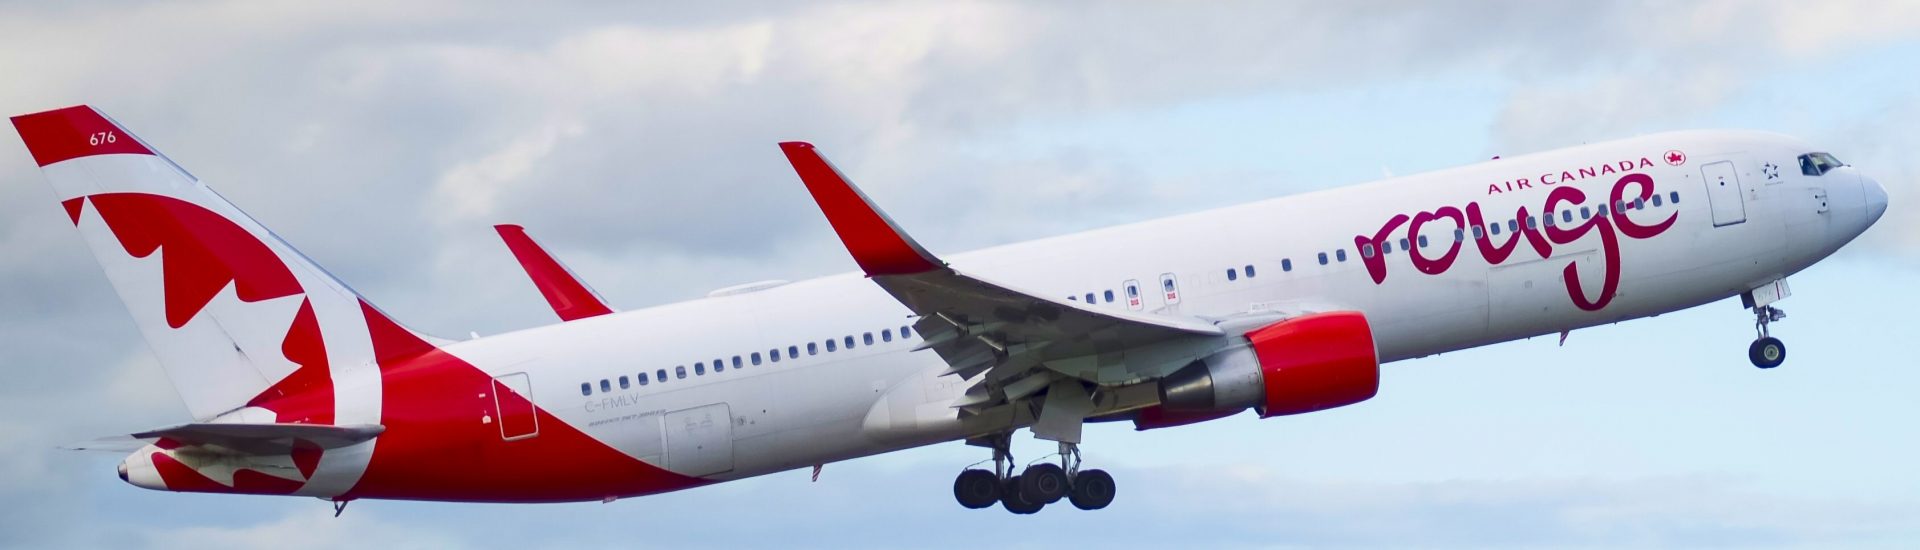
[(570, 297), (877, 244)]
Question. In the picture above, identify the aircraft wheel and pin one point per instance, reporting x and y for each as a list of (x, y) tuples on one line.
[(1092, 490), (976, 488), (1044, 483), (1011, 499), (1767, 352)]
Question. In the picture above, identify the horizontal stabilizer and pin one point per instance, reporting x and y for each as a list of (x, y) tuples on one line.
[(570, 297), (250, 438)]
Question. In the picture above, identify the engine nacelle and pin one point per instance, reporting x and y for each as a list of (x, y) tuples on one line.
[(1299, 365)]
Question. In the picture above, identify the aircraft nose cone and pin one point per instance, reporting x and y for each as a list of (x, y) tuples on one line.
[(123, 471), (1876, 198)]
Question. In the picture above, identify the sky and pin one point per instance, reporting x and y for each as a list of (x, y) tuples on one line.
[(637, 141)]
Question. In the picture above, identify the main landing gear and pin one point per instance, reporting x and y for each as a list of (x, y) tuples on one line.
[(1766, 352), (1040, 484)]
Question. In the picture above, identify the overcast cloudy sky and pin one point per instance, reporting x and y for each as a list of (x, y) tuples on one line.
[(383, 138)]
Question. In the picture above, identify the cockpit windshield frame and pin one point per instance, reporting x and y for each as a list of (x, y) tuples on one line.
[(1818, 164)]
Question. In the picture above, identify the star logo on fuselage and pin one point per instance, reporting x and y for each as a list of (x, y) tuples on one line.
[(1771, 170)]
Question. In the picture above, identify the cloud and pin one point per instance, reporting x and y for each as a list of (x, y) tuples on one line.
[(314, 528), (636, 140)]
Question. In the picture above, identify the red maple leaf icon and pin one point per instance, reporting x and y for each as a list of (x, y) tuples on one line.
[(1676, 158)]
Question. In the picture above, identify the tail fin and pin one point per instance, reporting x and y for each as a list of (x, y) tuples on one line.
[(238, 318)]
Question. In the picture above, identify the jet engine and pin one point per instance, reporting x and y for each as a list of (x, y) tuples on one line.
[(1299, 365)]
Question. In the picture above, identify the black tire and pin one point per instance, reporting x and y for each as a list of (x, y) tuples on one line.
[(1010, 498), (1767, 352), (976, 489), (1092, 490), (1044, 483)]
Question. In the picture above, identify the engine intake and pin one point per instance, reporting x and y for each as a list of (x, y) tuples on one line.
[(1299, 365)]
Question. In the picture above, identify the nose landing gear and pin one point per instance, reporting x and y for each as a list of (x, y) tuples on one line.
[(1038, 485), (1767, 352)]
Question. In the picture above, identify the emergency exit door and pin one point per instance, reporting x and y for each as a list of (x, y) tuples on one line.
[(1724, 193)]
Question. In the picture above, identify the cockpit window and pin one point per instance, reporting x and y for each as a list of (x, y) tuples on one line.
[(1818, 164)]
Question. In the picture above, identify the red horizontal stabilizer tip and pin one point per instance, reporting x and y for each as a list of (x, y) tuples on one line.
[(570, 298), (73, 132), (877, 244)]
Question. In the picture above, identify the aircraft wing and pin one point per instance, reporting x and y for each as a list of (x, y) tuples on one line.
[(250, 438), (1024, 340)]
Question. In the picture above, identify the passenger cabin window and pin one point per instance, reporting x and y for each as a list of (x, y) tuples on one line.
[(1423, 241), (1403, 244), (886, 335), (1323, 258), (605, 386), (903, 332), (1495, 228), (699, 369), (849, 342), (1673, 197), (867, 338), (830, 345), (586, 388), (736, 361), (793, 352), (1231, 275), (1366, 250), (1249, 271), (623, 382), (1513, 225), (1656, 201), (1640, 204), (1089, 300), (642, 379), (813, 348), (1479, 232), (1286, 264), (1584, 213), (680, 371), (719, 366), (1566, 216), (773, 355), (1109, 296), (755, 356), (1340, 254), (660, 375)]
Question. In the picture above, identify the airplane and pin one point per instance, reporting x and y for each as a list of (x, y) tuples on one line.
[(298, 385)]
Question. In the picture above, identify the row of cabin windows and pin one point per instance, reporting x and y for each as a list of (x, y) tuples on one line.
[(739, 361)]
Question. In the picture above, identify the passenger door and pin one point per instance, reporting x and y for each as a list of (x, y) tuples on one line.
[(513, 407), (1724, 193)]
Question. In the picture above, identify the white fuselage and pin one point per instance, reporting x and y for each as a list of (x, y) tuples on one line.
[(824, 406)]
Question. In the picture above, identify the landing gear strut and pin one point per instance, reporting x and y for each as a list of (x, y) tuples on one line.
[(1040, 484), (1766, 352)]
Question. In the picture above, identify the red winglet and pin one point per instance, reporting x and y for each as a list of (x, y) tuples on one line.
[(570, 298), (74, 132), (877, 244)]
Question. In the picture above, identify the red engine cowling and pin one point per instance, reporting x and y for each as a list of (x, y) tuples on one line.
[(1299, 365)]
